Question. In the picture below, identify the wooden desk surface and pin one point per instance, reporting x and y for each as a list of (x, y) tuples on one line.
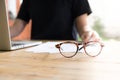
[(22, 65)]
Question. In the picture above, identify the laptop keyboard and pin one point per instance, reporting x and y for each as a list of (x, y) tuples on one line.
[(20, 43), (17, 44), (24, 43)]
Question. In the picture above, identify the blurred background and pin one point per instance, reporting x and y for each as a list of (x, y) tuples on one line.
[(104, 18)]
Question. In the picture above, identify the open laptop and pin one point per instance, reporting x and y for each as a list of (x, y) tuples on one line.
[(5, 39)]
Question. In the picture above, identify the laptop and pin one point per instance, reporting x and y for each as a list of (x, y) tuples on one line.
[(5, 38)]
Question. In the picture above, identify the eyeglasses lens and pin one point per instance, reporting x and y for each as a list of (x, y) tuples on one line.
[(93, 48), (68, 49)]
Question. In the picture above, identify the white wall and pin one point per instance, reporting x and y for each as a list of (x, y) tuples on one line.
[(12, 6), (109, 12), (21, 1)]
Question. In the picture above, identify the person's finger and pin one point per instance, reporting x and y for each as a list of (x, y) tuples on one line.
[(86, 36), (90, 36), (95, 36)]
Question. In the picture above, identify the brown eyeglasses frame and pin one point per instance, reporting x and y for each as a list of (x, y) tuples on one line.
[(77, 45)]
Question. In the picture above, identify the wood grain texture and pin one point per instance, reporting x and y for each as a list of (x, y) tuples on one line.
[(22, 65)]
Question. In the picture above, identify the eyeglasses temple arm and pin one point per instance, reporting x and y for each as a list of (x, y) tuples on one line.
[(80, 48)]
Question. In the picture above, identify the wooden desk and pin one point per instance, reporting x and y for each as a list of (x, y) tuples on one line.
[(22, 65)]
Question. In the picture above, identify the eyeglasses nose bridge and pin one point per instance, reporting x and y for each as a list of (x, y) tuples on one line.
[(57, 46), (81, 48)]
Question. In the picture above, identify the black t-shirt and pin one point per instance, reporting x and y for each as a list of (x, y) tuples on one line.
[(52, 19)]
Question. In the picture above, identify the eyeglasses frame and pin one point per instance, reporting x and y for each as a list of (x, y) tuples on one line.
[(78, 49)]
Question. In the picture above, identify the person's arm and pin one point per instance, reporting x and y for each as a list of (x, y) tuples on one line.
[(21, 20), (84, 31), (17, 27)]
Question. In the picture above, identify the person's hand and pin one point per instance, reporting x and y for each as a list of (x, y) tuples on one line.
[(90, 36)]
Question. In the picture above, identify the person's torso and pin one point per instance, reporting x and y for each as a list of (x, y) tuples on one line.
[(51, 19)]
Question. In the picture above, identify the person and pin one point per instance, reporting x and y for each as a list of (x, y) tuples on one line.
[(54, 19)]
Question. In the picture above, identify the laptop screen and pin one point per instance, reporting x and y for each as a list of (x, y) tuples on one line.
[(5, 41)]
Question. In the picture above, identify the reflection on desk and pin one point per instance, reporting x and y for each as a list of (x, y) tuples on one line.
[(22, 65)]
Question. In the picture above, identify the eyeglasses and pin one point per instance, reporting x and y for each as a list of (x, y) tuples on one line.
[(69, 49)]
